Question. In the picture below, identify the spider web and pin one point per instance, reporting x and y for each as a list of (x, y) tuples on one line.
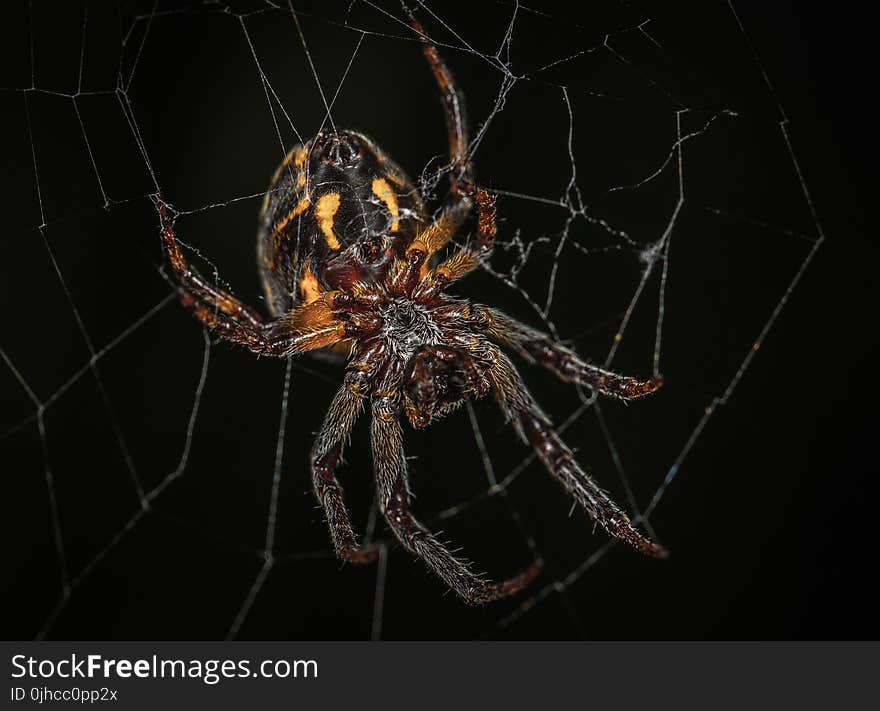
[(653, 215)]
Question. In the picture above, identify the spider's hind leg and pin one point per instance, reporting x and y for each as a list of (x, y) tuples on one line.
[(326, 455), (537, 429), (389, 462)]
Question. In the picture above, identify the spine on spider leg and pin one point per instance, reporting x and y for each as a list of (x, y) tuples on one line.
[(560, 462)]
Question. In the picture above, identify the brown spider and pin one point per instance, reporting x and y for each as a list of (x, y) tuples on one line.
[(350, 261)]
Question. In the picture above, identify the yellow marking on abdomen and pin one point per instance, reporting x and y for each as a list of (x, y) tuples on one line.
[(325, 210), (309, 288), (300, 208), (296, 157), (383, 191)]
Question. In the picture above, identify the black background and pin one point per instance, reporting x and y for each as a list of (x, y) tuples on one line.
[(770, 518)]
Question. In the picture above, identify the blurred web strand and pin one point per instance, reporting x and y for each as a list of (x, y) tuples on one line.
[(571, 202)]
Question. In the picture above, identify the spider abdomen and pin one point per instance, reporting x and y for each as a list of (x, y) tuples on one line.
[(337, 211)]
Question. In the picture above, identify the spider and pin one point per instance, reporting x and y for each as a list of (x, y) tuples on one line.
[(351, 262)]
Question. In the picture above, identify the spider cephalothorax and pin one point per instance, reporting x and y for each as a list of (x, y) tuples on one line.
[(351, 262)]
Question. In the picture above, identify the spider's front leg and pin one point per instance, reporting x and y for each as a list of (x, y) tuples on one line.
[(464, 260), (453, 111), (464, 194), (390, 466), (537, 429), (538, 347), (303, 329)]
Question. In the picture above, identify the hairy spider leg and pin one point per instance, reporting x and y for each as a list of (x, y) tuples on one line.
[(537, 429), (538, 347), (463, 192), (466, 259), (326, 454), (390, 467)]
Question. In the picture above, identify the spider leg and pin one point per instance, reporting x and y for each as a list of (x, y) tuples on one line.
[(394, 496), (466, 259), (464, 192), (438, 233), (536, 428), (453, 111), (303, 329), (461, 199), (326, 453), (537, 347)]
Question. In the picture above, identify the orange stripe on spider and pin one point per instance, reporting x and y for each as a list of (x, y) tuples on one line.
[(296, 157), (383, 191), (300, 208), (325, 211), (309, 288)]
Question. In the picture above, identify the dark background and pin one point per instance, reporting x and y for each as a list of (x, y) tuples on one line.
[(770, 517)]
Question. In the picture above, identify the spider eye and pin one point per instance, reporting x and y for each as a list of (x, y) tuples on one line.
[(343, 150)]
